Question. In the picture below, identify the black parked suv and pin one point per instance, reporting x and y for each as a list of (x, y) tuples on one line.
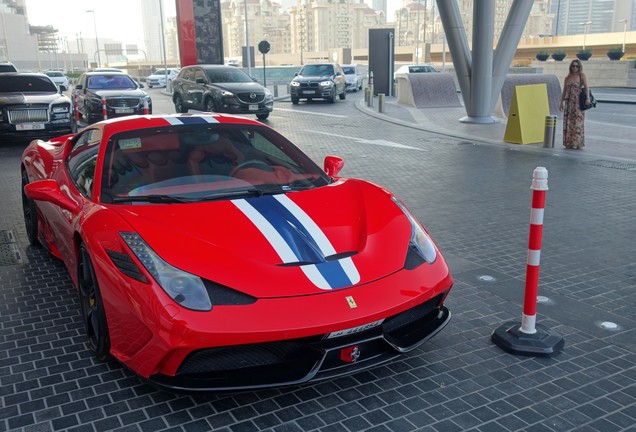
[(221, 89), (32, 107), (319, 81), (123, 95)]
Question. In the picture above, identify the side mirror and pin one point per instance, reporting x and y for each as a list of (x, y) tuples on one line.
[(200, 80), (49, 191), (333, 165)]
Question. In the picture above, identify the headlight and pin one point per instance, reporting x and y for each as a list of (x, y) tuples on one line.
[(420, 241), (184, 288), (226, 93), (326, 83), (61, 108), (295, 84)]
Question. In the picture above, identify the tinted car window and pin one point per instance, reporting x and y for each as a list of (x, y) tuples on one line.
[(187, 74), (7, 67), (54, 74), (27, 84), (317, 70), (228, 75), (111, 82), (349, 70), (82, 161)]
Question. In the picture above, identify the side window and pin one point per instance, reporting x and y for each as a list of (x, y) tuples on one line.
[(81, 163), (187, 74)]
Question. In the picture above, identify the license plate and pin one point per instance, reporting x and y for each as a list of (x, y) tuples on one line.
[(124, 110), (352, 330), (253, 107), (309, 92), (29, 126)]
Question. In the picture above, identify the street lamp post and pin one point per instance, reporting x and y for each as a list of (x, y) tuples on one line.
[(585, 27), (99, 60), (624, 21)]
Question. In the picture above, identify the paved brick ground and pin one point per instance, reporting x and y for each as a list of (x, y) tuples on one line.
[(474, 197)]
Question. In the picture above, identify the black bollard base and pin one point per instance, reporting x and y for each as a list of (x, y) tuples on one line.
[(544, 343)]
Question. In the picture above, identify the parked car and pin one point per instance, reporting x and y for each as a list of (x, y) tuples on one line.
[(211, 253), (7, 67), (354, 76), (58, 78), (160, 76), (122, 93), (319, 81), (221, 89), (31, 107), (408, 69)]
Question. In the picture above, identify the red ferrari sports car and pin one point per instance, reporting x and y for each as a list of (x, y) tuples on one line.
[(210, 253)]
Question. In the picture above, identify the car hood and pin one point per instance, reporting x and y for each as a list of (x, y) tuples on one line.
[(241, 87), (118, 92), (301, 243), (32, 98), (310, 78)]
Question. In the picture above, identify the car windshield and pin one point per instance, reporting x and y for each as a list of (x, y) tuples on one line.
[(228, 75), (190, 163), (111, 82), (54, 74), (348, 70), (317, 70), (27, 84), (419, 69)]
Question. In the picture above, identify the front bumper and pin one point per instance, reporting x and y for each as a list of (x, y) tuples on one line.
[(237, 107), (296, 361), (8, 131), (318, 92)]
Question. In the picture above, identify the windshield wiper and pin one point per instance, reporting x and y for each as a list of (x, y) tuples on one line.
[(155, 199), (250, 192)]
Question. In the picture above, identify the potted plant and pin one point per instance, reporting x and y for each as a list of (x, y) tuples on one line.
[(584, 54), (558, 55), (615, 53), (542, 55)]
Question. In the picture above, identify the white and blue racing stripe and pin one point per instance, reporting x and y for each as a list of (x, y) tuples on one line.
[(296, 238), (190, 120)]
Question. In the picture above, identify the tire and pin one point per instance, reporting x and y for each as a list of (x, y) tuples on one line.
[(343, 95), (334, 97), (92, 307), (178, 105), (30, 214), (295, 100), (149, 86), (262, 116), (209, 105)]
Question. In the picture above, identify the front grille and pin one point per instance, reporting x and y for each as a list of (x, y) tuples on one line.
[(245, 98), (309, 85), (123, 102), (28, 115)]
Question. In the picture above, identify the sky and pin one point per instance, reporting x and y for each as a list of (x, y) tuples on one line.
[(115, 19)]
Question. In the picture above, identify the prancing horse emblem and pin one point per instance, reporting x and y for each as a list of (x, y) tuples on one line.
[(350, 354)]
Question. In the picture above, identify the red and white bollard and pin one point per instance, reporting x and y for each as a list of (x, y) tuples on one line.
[(146, 107), (539, 188), (104, 112), (528, 337)]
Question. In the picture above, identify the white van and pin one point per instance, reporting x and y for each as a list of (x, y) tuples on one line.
[(354, 76)]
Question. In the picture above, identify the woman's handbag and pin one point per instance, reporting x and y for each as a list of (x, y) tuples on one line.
[(582, 98)]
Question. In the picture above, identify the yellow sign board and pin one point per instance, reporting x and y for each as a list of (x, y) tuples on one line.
[(526, 120)]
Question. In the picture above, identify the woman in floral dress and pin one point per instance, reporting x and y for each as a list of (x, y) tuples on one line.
[(573, 117)]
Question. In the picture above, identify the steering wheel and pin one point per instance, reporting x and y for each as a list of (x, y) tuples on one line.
[(253, 163)]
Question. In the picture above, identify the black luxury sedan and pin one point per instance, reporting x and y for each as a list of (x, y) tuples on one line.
[(221, 89), (319, 81), (32, 107), (122, 94)]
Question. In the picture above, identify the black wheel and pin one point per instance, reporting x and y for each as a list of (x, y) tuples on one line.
[(295, 100), (210, 106), (92, 307), (30, 213), (343, 95), (149, 86), (334, 97), (178, 105), (262, 116)]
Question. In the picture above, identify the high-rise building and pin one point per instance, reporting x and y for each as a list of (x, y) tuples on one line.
[(592, 16), (151, 21)]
